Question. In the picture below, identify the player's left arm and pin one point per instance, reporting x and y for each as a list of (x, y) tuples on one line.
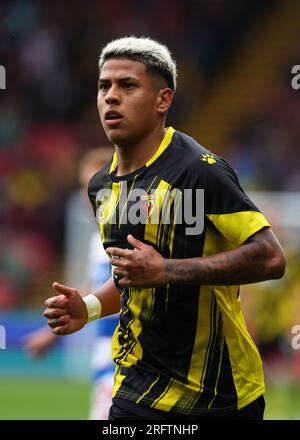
[(259, 258)]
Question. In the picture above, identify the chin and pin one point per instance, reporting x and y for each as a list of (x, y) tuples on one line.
[(117, 137)]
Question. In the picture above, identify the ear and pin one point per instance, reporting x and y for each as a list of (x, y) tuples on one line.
[(164, 100)]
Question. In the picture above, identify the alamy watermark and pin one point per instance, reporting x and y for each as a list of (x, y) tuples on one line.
[(160, 206), (2, 78), (296, 79), (295, 342), (2, 338)]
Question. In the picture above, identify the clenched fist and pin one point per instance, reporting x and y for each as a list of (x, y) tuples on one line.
[(67, 311)]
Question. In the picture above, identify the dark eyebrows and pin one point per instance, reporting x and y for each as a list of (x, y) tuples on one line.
[(103, 81), (127, 78), (120, 80)]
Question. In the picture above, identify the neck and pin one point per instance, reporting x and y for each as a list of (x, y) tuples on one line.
[(133, 157)]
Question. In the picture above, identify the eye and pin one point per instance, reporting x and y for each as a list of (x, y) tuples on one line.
[(103, 86), (129, 86)]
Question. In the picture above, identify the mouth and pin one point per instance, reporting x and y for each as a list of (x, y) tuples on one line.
[(113, 118)]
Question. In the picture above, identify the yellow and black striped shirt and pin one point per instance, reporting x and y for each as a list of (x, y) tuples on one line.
[(180, 348)]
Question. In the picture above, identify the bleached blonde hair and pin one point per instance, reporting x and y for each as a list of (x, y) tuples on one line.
[(156, 56)]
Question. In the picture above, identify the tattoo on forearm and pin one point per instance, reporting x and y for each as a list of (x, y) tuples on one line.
[(243, 265)]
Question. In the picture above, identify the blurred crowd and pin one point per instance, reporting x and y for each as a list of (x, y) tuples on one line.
[(48, 115), (266, 145)]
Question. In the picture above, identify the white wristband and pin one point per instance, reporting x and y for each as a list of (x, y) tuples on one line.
[(93, 306)]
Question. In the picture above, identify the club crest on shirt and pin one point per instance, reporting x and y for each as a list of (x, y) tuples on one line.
[(148, 204)]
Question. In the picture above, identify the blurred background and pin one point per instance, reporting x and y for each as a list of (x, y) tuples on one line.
[(234, 96)]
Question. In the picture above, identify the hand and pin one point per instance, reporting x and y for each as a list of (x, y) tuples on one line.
[(39, 342), (66, 312), (141, 267)]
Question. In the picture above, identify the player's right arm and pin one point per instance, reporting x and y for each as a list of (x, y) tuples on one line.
[(67, 312)]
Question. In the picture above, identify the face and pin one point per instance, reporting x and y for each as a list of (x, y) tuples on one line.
[(129, 102)]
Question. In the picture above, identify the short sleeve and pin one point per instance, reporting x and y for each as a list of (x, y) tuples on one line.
[(226, 204)]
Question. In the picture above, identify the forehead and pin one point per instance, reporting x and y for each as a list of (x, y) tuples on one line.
[(123, 67)]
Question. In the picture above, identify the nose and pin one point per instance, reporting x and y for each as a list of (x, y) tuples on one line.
[(112, 96)]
